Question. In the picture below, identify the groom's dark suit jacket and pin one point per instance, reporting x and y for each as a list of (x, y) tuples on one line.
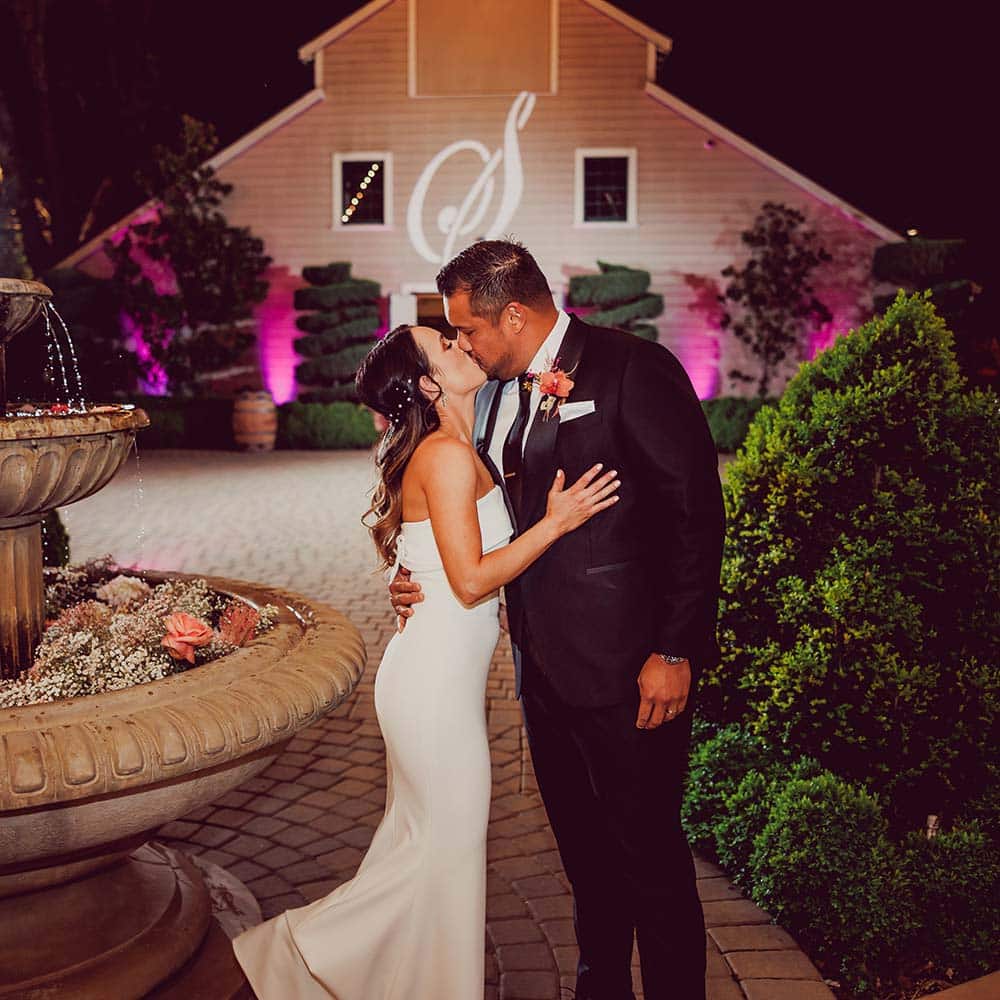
[(642, 576)]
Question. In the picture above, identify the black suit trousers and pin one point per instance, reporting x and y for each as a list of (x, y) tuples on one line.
[(612, 793)]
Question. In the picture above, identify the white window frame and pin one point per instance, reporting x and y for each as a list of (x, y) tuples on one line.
[(631, 220), (338, 194)]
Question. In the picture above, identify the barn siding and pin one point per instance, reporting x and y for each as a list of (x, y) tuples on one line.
[(693, 201)]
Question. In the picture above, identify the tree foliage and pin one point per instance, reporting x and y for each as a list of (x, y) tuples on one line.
[(211, 272), (769, 303)]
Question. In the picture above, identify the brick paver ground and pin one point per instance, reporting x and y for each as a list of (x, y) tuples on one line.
[(292, 519)]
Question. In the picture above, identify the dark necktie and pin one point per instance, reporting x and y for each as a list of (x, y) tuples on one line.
[(513, 446)]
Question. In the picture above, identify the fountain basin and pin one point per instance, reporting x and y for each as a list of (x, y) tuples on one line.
[(84, 782)]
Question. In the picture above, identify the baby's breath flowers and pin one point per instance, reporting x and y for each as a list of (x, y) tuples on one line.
[(107, 630)]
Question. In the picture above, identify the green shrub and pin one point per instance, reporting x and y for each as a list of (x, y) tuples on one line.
[(716, 767), (745, 813), (825, 870), (338, 337), (320, 322), (921, 263), (956, 884), (351, 292), (331, 367), (642, 308), (325, 425), (858, 619), (188, 423), (328, 274), (623, 292), (729, 418), (613, 284), (983, 809), (55, 540)]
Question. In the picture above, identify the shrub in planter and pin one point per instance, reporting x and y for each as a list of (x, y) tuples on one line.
[(956, 884), (858, 618), (746, 811), (729, 418), (826, 870), (325, 425), (716, 767)]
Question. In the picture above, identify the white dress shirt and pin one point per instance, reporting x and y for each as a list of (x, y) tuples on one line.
[(542, 362)]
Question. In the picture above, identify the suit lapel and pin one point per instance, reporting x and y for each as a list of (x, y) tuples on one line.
[(487, 405), (541, 441), (484, 406)]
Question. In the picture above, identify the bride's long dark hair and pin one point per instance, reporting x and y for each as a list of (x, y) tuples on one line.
[(388, 381)]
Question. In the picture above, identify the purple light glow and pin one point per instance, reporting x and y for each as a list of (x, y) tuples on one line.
[(276, 332)]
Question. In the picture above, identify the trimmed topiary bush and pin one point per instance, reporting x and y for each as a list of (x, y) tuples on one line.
[(338, 335), (325, 425), (623, 292), (859, 620), (956, 884), (825, 870), (717, 766)]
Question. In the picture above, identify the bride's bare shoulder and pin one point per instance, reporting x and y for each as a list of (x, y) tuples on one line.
[(441, 454)]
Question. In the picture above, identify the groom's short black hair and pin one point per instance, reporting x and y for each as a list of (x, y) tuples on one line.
[(493, 273)]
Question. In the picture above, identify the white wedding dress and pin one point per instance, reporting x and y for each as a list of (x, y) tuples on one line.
[(411, 924)]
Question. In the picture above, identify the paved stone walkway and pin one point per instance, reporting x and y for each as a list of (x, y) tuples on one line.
[(292, 834)]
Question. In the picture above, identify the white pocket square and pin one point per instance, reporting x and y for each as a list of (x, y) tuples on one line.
[(570, 411)]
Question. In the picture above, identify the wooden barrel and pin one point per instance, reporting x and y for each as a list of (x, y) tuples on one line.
[(255, 421)]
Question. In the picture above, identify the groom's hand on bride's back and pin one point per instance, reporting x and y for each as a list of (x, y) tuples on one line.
[(403, 594)]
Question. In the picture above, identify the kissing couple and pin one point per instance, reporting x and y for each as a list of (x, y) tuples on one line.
[(573, 467)]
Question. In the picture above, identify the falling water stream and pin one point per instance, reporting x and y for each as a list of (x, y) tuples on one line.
[(75, 401)]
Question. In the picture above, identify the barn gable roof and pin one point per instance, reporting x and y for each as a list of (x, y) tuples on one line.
[(308, 51), (656, 42)]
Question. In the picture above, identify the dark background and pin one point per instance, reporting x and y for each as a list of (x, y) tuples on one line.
[(886, 107)]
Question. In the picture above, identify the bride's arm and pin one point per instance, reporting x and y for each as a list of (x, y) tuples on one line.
[(450, 486)]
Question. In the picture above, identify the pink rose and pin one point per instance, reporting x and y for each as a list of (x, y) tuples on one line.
[(238, 623), (184, 633), (555, 383)]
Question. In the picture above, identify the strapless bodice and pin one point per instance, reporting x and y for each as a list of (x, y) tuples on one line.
[(417, 550)]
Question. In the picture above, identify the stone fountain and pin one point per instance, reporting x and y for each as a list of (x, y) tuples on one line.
[(89, 908)]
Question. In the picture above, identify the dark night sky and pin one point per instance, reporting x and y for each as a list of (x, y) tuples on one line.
[(887, 110), (885, 106)]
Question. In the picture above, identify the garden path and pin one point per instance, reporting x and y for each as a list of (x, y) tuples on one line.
[(292, 519)]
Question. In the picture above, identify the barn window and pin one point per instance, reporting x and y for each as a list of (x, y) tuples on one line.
[(362, 190), (606, 187)]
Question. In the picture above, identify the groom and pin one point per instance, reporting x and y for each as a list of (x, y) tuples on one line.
[(612, 627)]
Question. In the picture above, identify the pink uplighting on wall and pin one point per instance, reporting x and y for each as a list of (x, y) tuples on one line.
[(276, 333)]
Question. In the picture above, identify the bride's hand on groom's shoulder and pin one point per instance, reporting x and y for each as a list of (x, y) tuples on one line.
[(403, 593)]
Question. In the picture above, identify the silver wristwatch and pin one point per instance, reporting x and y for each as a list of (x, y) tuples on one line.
[(671, 659)]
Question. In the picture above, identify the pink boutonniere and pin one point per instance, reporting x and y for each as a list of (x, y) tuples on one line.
[(555, 386)]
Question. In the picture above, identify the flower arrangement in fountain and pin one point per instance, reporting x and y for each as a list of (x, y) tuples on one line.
[(107, 630)]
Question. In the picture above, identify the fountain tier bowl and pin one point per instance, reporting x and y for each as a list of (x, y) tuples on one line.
[(46, 462), (85, 781)]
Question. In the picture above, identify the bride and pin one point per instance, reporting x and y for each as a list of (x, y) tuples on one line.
[(411, 923)]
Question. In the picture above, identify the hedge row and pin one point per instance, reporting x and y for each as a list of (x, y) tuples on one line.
[(816, 852), (207, 423)]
